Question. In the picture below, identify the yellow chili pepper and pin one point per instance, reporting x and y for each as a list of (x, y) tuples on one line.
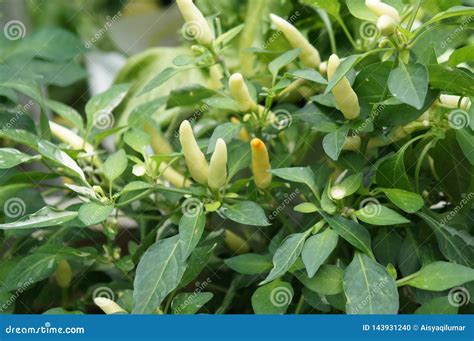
[(198, 25), (309, 55), (379, 8), (345, 96), (63, 274), (195, 160), (241, 94), (260, 164), (218, 166)]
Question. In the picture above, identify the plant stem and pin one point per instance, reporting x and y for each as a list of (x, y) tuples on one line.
[(300, 305), (414, 13), (348, 34)]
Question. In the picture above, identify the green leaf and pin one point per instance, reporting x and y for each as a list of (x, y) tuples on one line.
[(327, 281), (159, 79), (115, 165), (159, 272), (369, 288), (333, 142), (451, 79), (438, 305), (10, 157), (464, 54), (286, 254), (196, 263), (439, 276), (345, 66), (455, 245), (249, 264), (186, 303), (331, 6), (226, 131), (408, 201), (45, 217), (103, 104), (29, 270), (53, 153), (306, 207), (238, 158), (224, 103), (309, 74), (21, 136), (138, 140), (191, 227), (359, 10), (302, 175), (228, 36), (136, 186), (278, 63), (317, 249), (66, 112), (246, 213), (352, 232), (391, 172), (409, 84), (380, 215), (93, 213), (188, 95), (351, 184), (272, 298), (465, 138)]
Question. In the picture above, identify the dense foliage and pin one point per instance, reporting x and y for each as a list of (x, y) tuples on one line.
[(311, 156)]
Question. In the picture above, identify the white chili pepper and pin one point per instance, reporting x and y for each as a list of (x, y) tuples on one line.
[(197, 24), (309, 55), (379, 8), (241, 94), (452, 101), (386, 25), (108, 306), (195, 160), (218, 166), (344, 95)]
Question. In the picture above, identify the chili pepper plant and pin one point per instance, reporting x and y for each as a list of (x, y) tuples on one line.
[(289, 157)]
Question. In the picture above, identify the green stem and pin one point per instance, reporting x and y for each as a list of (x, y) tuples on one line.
[(348, 34), (300, 305), (403, 281), (414, 13), (420, 163)]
